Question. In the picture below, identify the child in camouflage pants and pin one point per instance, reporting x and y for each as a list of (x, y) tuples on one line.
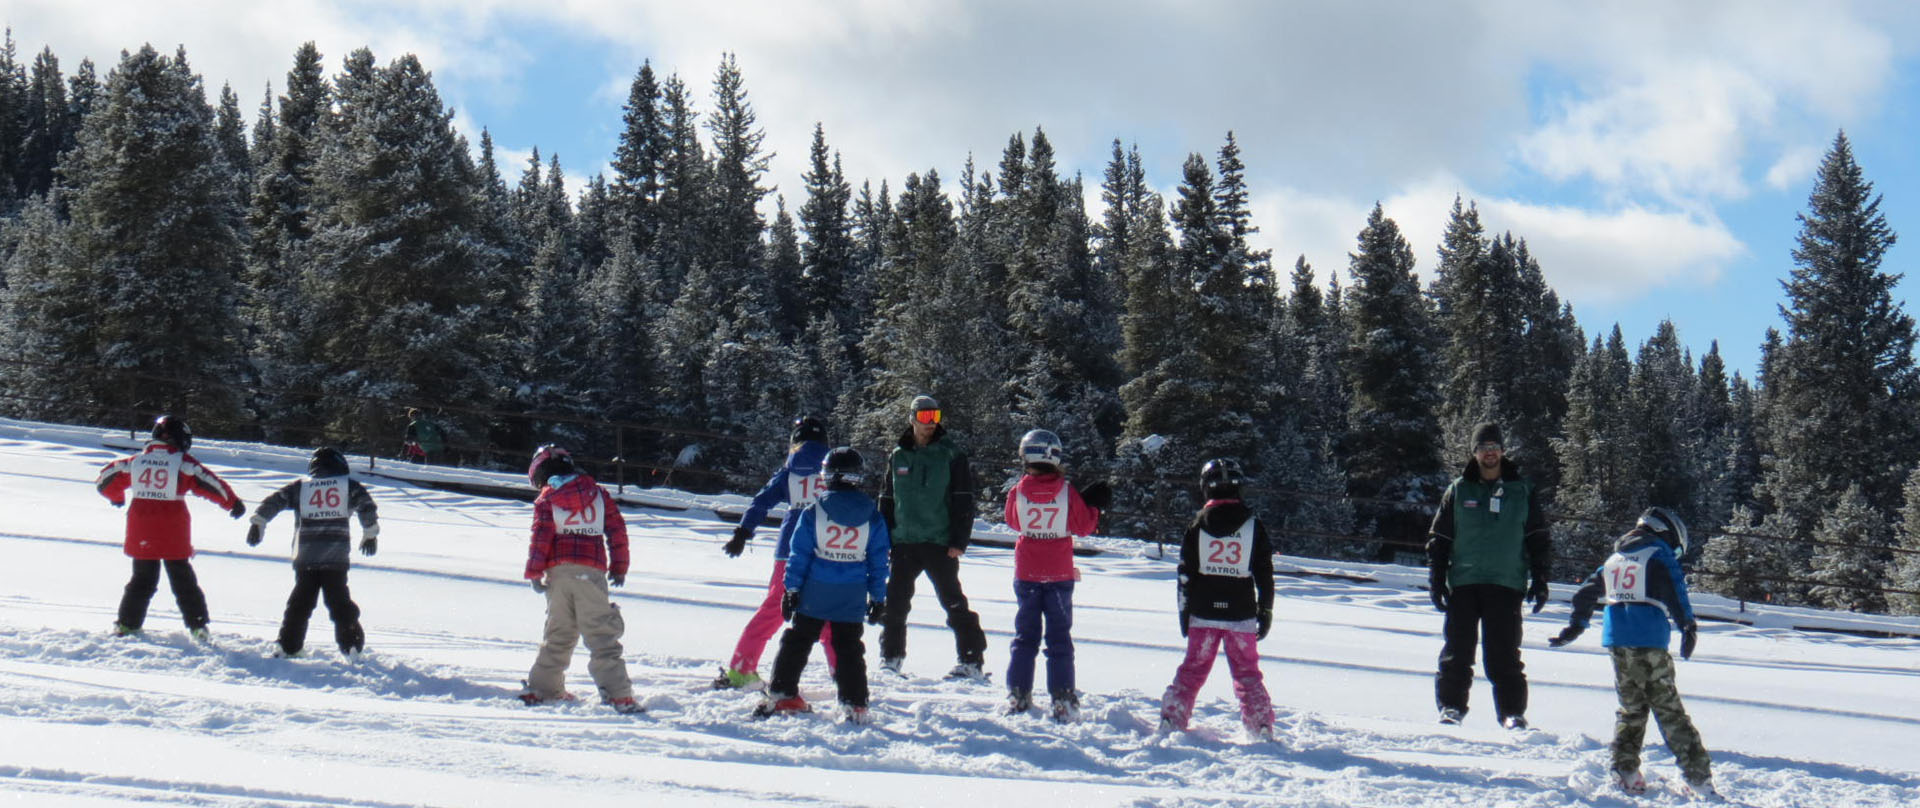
[(1645, 589)]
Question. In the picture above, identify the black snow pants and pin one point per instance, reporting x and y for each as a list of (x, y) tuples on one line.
[(1487, 615), (908, 561), (146, 581), (797, 643), (308, 586)]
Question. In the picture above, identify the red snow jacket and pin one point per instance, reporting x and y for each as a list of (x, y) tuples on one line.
[(1048, 513), (159, 477), (576, 523)]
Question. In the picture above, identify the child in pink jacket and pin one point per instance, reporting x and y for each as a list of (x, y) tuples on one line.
[(1048, 512)]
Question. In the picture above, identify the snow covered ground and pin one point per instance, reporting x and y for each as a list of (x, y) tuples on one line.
[(428, 717)]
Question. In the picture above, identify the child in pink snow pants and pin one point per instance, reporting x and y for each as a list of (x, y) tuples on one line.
[(1226, 599), (798, 484)]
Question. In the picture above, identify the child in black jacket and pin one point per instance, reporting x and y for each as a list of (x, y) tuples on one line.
[(321, 548), (1226, 599)]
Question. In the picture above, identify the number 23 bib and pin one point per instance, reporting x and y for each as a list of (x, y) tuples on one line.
[(1229, 556)]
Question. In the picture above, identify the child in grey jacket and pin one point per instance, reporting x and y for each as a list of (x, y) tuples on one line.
[(322, 545)]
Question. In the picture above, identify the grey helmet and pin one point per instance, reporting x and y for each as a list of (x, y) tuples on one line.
[(1665, 523), (1042, 446)]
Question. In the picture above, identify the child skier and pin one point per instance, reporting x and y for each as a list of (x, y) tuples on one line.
[(579, 547), (1226, 598), (159, 530), (1645, 589), (798, 483), (1047, 512), (321, 548), (836, 574)]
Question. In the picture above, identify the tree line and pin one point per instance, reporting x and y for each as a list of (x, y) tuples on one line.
[(350, 245)]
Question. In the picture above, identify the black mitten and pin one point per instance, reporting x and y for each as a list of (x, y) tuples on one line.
[(1098, 496), (738, 544), (789, 603), (253, 535), (1567, 635)]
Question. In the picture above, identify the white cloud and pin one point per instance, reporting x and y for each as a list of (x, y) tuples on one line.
[(1794, 167)]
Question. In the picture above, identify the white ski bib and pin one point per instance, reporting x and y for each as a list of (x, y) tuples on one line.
[(838, 542), (803, 491), (590, 519), (324, 498), (1043, 520), (1229, 556), (156, 475), (1625, 575)]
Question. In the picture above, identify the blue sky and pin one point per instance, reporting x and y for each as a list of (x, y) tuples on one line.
[(1653, 154)]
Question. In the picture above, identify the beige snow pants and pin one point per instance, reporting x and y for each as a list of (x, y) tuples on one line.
[(578, 609)]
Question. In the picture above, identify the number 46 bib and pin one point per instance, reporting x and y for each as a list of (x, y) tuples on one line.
[(1228, 556), (324, 498), (838, 542)]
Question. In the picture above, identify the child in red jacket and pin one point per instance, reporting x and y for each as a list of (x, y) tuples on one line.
[(1048, 512), (579, 547), (159, 531)]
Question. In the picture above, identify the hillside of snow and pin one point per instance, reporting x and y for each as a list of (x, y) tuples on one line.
[(428, 717)]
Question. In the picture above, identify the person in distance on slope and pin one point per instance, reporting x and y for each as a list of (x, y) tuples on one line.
[(159, 530), (1226, 598), (798, 483), (579, 547), (1048, 512), (836, 575), (1645, 589), (322, 545)]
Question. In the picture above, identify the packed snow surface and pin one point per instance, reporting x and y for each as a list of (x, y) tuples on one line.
[(428, 717)]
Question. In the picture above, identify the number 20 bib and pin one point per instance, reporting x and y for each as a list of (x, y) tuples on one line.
[(1043, 520), (156, 475), (588, 519), (1228, 556), (1625, 575), (324, 498), (838, 542)]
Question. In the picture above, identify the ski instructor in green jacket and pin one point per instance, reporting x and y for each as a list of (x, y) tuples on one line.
[(928, 503), (1489, 535)]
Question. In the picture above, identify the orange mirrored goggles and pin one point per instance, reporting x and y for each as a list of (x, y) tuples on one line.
[(927, 416)]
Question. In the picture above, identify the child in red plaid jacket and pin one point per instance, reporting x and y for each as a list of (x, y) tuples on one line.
[(579, 547)]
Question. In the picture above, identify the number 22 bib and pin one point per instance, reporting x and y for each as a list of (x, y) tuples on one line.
[(838, 542)]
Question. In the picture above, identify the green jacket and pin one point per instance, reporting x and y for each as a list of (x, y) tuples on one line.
[(1490, 532), (928, 494)]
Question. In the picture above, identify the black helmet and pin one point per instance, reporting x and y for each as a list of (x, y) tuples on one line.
[(1666, 524), (842, 466), (548, 461), (172, 431), (1220, 478), (809, 427), (327, 462)]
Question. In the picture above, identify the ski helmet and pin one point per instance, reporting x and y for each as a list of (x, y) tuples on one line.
[(327, 462), (1042, 446), (1221, 478), (842, 466), (172, 431), (809, 427), (1666, 524), (548, 461)]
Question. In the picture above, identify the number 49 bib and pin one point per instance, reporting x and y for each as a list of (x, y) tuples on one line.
[(838, 542), (156, 475), (1228, 556), (324, 498)]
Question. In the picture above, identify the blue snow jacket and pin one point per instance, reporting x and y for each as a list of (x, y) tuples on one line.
[(803, 466), (839, 560), (1645, 592)]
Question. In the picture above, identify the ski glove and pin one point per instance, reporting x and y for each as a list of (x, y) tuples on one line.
[(538, 585), (1567, 635), (1688, 634), (1266, 622), (253, 535), (789, 603), (369, 546), (738, 544), (238, 510), (616, 579), (1437, 589), (876, 612), (1098, 496), (1538, 593)]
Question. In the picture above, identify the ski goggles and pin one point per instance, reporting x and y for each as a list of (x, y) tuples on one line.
[(926, 416)]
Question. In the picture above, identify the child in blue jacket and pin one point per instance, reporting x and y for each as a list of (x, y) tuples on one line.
[(1645, 589), (836, 574)]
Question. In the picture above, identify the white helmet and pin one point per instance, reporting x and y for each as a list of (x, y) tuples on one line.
[(1666, 524), (1042, 446)]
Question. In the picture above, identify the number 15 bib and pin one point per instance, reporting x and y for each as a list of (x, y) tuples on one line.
[(1229, 556), (838, 542), (1625, 575)]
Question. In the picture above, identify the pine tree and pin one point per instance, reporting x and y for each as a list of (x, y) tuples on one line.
[(230, 132), (47, 129), (827, 256), (783, 273), (732, 240), (1600, 482), (1852, 564), (1904, 574), (640, 159), (48, 315), (13, 105)]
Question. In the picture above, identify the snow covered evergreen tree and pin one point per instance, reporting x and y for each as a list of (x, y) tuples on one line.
[(829, 285), (640, 159), (1852, 563), (1600, 482), (47, 127), (1904, 574)]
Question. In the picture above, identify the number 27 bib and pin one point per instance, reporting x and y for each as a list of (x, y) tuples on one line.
[(1043, 520), (838, 542)]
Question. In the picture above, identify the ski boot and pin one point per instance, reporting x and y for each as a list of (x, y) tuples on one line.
[(1514, 722), (894, 664), (282, 652), (121, 630), (201, 635), (781, 704), (1066, 707), (1260, 733), (531, 698), (971, 671), (1630, 782), (1702, 789), (858, 715), (1451, 715), (730, 679), (1019, 701), (626, 706)]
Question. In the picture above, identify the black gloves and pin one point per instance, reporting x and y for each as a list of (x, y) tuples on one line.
[(790, 603), (876, 611), (616, 579), (1437, 588), (1688, 634), (738, 544), (1567, 635), (238, 510), (1184, 617), (538, 585), (1538, 592), (369, 546), (1266, 621), (253, 535), (1097, 496)]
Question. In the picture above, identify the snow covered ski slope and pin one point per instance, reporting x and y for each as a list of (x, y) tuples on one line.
[(428, 716)]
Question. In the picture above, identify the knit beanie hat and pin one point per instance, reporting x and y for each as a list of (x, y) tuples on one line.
[(1488, 432)]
